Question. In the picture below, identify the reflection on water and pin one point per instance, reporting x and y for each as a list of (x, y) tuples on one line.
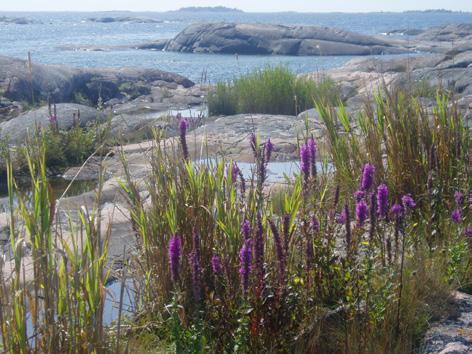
[(58, 186)]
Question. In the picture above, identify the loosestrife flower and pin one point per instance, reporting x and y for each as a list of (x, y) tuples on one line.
[(367, 177), (361, 212), (359, 195), (408, 202), (183, 125), (245, 259), (341, 218), (468, 231), (234, 172), (397, 210), (456, 216), (459, 198), (305, 161), (216, 265), (268, 148), (175, 249), (382, 200), (246, 229), (315, 224), (312, 149)]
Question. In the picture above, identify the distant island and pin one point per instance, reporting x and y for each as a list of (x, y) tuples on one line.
[(208, 9)]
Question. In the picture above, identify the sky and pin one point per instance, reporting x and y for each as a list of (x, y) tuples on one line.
[(247, 5)]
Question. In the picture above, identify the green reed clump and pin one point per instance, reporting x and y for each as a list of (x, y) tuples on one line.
[(273, 90), (325, 271), (52, 281)]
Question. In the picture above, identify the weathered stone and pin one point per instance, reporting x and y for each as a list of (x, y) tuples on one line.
[(63, 84), (18, 128), (277, 39)]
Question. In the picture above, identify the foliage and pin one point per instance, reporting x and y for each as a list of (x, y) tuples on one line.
[(53, 286), (319, 273), (273, 90)]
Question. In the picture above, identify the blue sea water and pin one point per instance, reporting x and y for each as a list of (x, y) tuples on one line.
[(65, 29)]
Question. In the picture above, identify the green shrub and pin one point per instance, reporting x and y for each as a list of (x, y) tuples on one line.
[(273, 90)]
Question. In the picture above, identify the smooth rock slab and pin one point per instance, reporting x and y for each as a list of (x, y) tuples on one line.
[(453, 335), (18, 128), (249, 38)]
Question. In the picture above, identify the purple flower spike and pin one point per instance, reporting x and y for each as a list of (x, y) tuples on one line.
[(245, 259), (342, 217), (246, 230), (268, 148), (367, 177), (183, 125), (234, 172), (468, 231), (397, 210), (459, 198), (312, 149), (470, 198), (305, 161), (216, 265), (175, 249), (194, 263), (361, 212), (359, 195), (315, 224), (382, 200), (456, 216), (408, 202)]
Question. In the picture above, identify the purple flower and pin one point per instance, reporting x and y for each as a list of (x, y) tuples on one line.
[(305, 161), (175, 249), (408, 202), (245, 259), (216, 265), (382, 200), (367, 177), (468, 231), (456, 216), (359, 195), (234, 172), (459, 198), (312, 149), (397, 210), (268, 148), (315, 224), (470, 198), (183, 125), (246, 229), (361, 212), (342, 217)]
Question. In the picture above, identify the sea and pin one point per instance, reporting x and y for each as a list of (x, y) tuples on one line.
[(53, 30)]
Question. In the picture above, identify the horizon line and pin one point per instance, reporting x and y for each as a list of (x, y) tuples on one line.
[(245, 11)]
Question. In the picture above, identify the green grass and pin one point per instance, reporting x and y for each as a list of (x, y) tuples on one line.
[(273, 90)]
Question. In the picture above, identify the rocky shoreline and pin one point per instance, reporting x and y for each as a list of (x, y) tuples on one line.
[(138, 99)]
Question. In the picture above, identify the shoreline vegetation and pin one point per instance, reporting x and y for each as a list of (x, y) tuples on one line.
[(360, 257), (357, 260)]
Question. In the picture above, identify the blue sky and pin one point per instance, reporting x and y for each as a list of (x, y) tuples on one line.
[(248, 5)]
